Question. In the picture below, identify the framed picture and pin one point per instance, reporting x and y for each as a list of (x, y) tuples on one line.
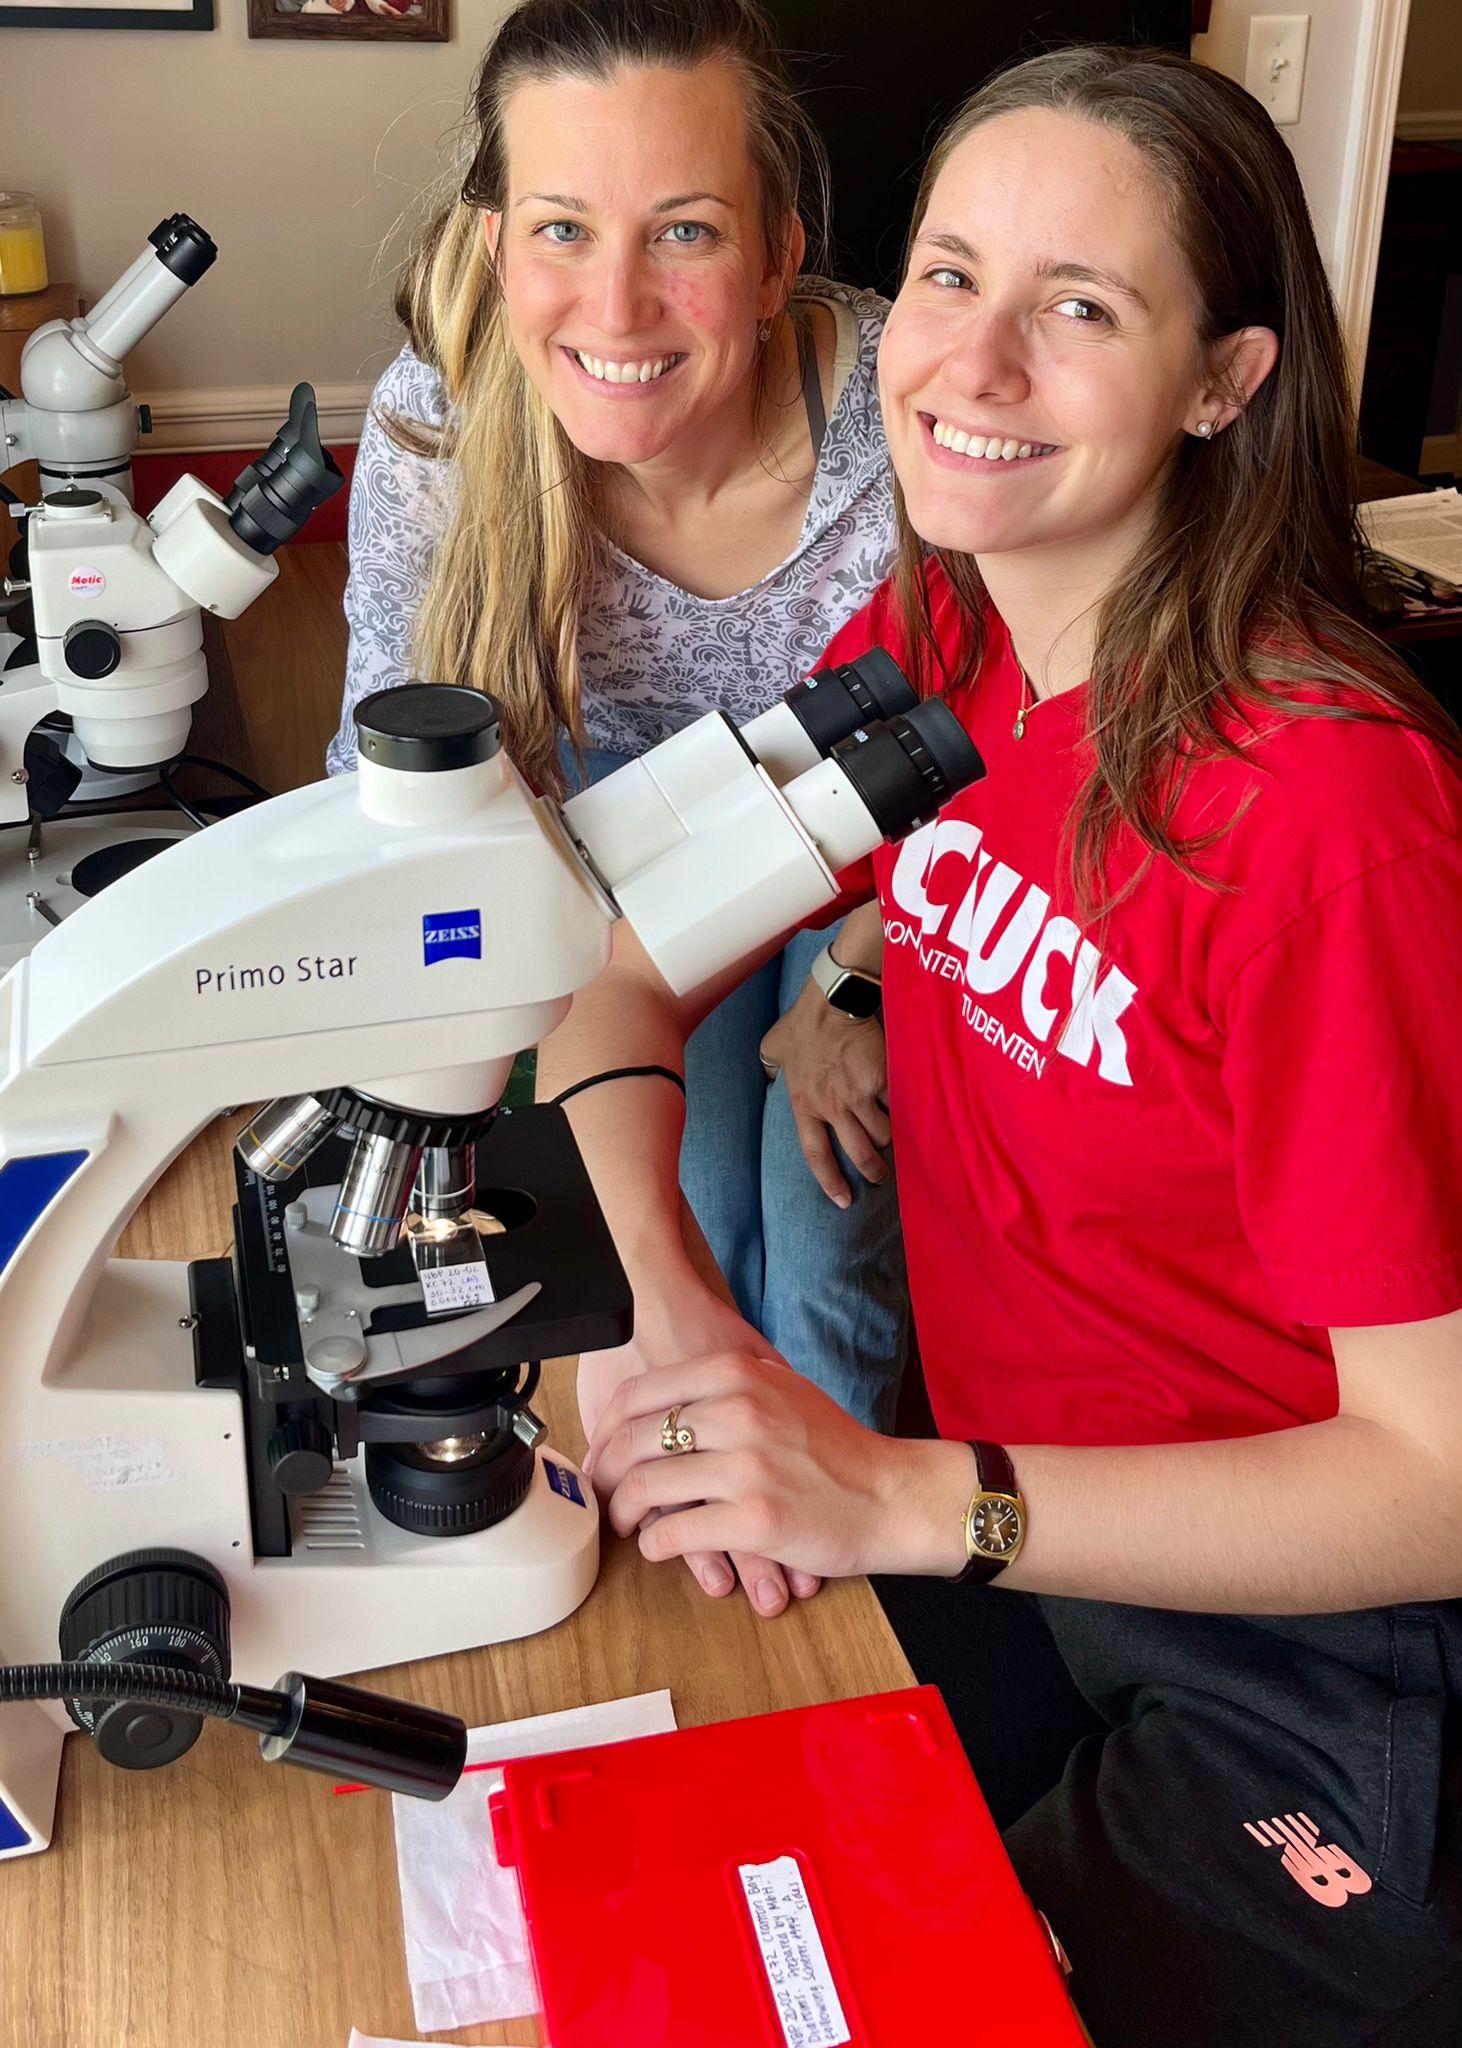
[(106, 14), (389, 21)]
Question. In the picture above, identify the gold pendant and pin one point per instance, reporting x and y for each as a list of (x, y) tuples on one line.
[(1019, 731)]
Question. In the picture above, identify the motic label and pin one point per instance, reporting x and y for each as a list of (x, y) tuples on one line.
[(792, 1952), (87, 582)]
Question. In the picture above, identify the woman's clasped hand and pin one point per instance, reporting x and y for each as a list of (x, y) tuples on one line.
[(777, 1469)]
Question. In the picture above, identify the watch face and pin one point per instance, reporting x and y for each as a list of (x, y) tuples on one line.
[(995, 1526), (856, 996)]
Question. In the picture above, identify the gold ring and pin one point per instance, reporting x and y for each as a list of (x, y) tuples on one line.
[(676, 1437)]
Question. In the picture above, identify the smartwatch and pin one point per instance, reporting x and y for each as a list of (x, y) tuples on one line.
[(857, 994)]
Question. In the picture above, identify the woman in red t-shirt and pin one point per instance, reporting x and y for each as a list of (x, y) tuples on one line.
[(1169, 1001)]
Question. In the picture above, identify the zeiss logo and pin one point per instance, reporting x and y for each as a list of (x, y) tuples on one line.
[(451, 935)]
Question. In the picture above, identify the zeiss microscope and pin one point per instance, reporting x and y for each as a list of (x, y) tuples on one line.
[(104, 658), (321, 1450)]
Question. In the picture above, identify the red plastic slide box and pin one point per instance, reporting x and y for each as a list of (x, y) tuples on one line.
[(797, 1880)]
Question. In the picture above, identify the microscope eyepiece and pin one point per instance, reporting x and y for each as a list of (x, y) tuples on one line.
[(909, 766), (274, 496), (831, 705), (183, 247)]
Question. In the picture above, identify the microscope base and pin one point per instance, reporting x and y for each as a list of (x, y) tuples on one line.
[(63, 844), (124, 1451)]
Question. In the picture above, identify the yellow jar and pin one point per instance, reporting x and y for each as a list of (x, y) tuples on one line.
[(22, 246)]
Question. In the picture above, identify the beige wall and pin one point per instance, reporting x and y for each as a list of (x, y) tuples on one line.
[(295, 157), (298, 158), (1431, 78), (1342, 140), (1320, 138)]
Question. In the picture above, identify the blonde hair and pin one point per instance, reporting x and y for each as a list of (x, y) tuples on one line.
[(521, 545), (1249, 583)]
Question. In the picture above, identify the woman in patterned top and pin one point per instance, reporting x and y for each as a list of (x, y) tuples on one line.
[(629, 469)]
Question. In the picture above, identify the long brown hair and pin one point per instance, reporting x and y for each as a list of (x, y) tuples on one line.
[(520, 548), (1249, 582)]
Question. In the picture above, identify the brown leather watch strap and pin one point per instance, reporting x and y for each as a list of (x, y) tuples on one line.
[(994, 1474)]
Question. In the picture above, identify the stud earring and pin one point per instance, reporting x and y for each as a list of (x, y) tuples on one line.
[(1205, 429)]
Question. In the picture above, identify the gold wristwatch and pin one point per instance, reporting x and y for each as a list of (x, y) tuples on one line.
[(994, 1521)]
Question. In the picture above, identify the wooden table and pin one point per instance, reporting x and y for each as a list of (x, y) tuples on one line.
[(221, 1903)]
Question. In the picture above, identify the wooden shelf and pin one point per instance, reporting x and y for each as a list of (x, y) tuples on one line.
[(24, 312)]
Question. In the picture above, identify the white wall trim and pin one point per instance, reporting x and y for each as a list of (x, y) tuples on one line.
[(1380, 49), (247, 416), (1440, 124)]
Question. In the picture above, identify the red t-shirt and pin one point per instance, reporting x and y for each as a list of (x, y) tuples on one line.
[(1138, 1187)]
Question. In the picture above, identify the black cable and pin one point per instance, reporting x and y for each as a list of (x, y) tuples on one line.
[(153, 1685), (313, 1722), (76, 814), (180, 802), (237, 775)]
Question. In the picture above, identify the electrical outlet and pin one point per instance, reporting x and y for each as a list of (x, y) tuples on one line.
[(1275, 69)]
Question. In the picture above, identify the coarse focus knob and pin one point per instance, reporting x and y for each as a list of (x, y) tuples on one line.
[(92, 649), (300, 1455)]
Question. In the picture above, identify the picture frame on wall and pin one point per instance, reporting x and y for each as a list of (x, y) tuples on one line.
[(107, 14), (389, 21)]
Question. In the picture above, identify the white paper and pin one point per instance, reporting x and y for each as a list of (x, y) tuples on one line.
[(452, 1287), (360, 2040), (466, 1943), (1424, 530), (802, 1985)]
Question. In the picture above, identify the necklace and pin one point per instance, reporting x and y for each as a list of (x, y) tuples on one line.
[(1027, 706)]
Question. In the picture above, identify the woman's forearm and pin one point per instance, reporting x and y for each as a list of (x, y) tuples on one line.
[(1313, 1520), (628, 1130)]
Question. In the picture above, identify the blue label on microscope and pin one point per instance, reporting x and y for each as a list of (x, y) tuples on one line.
[(563, 1481), (451, 935), (12, 1834)]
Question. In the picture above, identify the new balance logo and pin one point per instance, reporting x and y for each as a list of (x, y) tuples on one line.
[(1321, 1869), (451, 934)]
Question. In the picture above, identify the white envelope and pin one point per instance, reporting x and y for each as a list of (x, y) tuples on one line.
[(466, 1942)]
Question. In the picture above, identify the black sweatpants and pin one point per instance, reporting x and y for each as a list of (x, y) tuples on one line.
[(1243, 1830)]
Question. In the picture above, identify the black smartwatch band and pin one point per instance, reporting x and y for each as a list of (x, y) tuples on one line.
[(994, 1473)]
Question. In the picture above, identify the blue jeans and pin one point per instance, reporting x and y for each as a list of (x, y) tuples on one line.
[(825, 1285)]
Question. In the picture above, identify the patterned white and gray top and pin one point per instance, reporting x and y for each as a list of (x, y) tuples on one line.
[(654, 656)]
